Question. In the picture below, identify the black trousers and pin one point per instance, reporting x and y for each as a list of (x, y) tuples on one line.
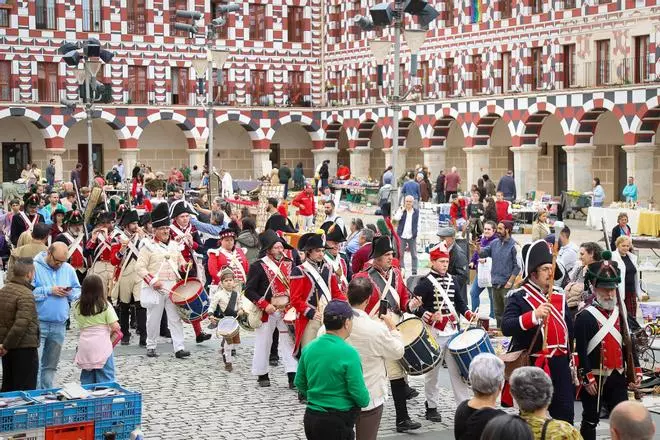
[(331, 425), (614, 390), (19, 369), (562, 406), (124, 317), (274, 345)]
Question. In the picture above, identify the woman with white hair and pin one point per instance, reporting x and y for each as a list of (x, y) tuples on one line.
[(487, 379), (532, 390)]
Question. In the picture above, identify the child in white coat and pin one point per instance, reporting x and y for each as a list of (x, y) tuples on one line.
[(226, 302)]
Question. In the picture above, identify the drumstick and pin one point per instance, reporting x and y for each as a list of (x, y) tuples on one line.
[(187, 272)]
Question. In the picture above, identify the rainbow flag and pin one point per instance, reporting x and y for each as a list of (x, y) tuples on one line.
[(476, 11)]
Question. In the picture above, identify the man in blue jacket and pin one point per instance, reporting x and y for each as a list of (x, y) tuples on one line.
[(407, 229), (56, 286)]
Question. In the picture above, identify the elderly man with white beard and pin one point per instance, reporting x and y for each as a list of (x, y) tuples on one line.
[(601, 347)]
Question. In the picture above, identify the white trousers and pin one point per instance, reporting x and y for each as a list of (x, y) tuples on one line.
[(174, 323), (263, 341), (227, 347), (432, 378)]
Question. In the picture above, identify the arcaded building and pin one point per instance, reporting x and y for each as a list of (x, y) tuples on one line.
[(559, 91)]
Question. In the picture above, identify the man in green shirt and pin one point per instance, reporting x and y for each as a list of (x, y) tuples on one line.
[(330, 377)]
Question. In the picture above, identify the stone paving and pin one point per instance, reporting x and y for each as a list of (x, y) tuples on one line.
[(196, 398)]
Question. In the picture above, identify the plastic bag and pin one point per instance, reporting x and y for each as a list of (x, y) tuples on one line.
[(483, 273)]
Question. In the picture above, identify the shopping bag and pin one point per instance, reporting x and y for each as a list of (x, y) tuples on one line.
[(483, 273)]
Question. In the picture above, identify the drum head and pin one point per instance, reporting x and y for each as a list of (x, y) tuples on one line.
[(466, 339), (410, 329), (185, 292), (227, 326)]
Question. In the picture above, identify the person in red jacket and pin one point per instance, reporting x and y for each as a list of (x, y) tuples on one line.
[(458, 213), (313, 285), (304, 201), (503, 208), (186, 234), (228, 255), (343, 172), (388, 285)]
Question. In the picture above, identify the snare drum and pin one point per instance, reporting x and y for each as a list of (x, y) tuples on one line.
[(467, 345), (422, 353), (191, 300), (227, 328)]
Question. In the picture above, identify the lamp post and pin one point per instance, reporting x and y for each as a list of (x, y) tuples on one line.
[(382, 15), (202, 66), (93, 57)]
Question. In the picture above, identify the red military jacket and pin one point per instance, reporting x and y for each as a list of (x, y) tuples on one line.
[(235, 260), (305, 288), (176, 231), (396, 295)]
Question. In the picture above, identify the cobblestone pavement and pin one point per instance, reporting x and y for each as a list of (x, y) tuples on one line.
[(196, 399)]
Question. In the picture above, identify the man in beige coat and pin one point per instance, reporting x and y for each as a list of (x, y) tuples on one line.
[(40, 234)]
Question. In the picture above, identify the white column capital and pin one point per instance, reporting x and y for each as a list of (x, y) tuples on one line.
[(325, 151), (639, 148), (477, 150), (200, 143), (435, 148), (578, 148), (525, 149)]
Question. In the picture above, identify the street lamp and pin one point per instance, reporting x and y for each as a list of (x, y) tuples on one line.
[(386, 14), (94, 57), (201, 66)]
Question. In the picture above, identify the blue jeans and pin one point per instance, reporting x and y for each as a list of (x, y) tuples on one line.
[(475, 291), (52, 338), (99, 375), (409, 244), (597, 204)]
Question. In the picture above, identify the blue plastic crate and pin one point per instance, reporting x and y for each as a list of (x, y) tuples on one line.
[(24, 417), (64, 412), (120, 413)]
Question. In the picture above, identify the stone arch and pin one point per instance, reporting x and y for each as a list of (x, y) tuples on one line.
[(251, 126), (121, 130), (646, 125), (28, 134), (232, 147), (500, 155), (609, 159), (481, 132), (550, 137), (585, 121), (185, 125), (311, 126), (410, 138), (41, 123), (75, 144), (336, 136), (455, 156), (163, 144), (292, 142)]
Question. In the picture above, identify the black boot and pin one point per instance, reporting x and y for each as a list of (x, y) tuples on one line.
[(133, 323), (399, 392), (141, 320), (432, 414), (292, 378), (263, 380)]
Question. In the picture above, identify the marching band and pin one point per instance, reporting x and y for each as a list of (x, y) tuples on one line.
[(152, 266)]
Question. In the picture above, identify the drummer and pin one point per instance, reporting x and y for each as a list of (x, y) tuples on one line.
[(313, 285), (160, 265), (228, 255), (388, 285), (438, 303), (184, 233), (226, 302), (334, 237), (268, 279), (99, 248)]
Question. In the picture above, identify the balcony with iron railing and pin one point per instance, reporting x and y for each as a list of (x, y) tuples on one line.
[(615, 72)]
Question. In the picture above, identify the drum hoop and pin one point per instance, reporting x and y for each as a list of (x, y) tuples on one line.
[(189, 299), (414, 341)]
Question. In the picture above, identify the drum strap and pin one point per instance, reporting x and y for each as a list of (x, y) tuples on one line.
[(443, 292), (387, 291), (319, 281), (336, 267), (276, 270), (231, 306), (29, 224), (235, 262), (75, 244), (608, 325)]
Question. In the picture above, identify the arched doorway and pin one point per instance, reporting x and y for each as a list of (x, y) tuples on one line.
[(456, 157), (411, 139), (552, 165), (609, 159), (293, 144), (370, 136), (232, 148), (163, 146), (105, 148), (22, 143), (336, 137), (501, 156)]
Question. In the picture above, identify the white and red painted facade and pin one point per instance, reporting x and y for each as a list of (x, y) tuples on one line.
[(560, 91)]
